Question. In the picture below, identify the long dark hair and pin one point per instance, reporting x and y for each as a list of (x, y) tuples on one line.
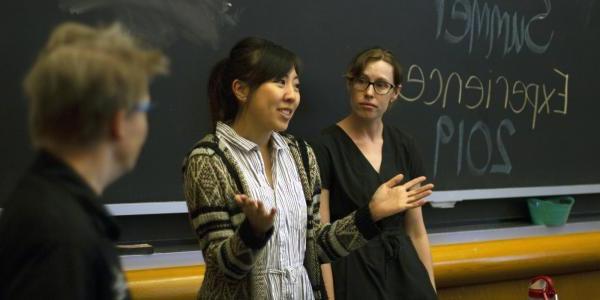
[(252, 60)]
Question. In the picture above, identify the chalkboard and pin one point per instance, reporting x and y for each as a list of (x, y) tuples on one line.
[(498, 94)]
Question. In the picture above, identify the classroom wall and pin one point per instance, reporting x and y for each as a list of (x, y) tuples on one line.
[(495, 90)]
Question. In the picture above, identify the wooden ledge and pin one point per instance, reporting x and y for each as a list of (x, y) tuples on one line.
[(455, 265), (178, 283), (481, 262)]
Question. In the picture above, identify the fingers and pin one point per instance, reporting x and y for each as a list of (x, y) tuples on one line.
[(421, 189), (255, 206), (416, 204), (272, 213), (423, 195), (240, 199), (245, 202), (420, 193), (263, 211), (414, 182), (260, 207), (394, 181)]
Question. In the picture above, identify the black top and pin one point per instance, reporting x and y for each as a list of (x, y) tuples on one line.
[(57, 239), (388, 267)]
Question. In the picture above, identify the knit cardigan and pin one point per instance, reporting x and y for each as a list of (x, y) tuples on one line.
[(212, 177)]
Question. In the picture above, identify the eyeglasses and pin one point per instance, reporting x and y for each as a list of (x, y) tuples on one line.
[(143, 106), (381, 87)]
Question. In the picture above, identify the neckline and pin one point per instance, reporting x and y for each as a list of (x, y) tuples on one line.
[(276, 141), (362, 155)]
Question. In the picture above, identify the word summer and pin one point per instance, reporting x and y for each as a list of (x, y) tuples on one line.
[(515, 96), (484, 22)]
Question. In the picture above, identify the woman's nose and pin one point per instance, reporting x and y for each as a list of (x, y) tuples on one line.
[(291, 93)]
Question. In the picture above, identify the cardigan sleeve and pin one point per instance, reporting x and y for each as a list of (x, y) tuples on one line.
[(224, 234), (339, 238)]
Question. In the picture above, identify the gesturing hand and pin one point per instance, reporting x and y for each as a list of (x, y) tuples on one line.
[(260, 220), (392, 197)]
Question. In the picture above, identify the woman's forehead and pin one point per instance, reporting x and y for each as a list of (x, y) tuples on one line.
[(379, 69)]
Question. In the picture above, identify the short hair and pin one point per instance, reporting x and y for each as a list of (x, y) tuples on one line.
[(252, 60), (365, 57), (82, 77)]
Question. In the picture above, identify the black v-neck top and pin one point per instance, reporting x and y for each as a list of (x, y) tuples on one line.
[(351, 179), (388, 267)]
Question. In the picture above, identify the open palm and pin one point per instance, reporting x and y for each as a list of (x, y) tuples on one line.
[(260, 219), (392, 197)]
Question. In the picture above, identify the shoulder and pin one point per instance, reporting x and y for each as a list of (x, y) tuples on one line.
[(288, 138), (40, 210), (208, 164), (37, 197), (332, 129), (399, 136), (327, 140), (208, 150), (397, 132), (302, 152), (296, 144), (206, 146), (330, 134)]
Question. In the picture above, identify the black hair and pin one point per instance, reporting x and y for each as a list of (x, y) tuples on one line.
[(252, 60)]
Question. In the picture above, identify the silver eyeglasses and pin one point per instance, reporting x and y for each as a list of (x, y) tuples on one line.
[(143, 106)]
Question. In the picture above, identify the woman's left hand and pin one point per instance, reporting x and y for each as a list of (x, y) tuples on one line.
[(392, 197)]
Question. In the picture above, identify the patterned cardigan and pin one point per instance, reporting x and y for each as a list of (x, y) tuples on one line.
[(231, 252)]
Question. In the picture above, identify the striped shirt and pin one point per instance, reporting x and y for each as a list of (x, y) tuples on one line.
[(284, 253)]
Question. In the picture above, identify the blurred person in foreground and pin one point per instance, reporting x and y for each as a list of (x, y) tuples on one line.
[(88, 94)]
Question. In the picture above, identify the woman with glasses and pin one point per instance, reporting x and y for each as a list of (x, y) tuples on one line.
[(253, 192), (355, 156)]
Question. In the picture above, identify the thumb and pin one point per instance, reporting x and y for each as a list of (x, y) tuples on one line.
[(394, 181)]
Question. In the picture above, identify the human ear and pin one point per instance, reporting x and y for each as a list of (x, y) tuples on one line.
[(117, 126), (396, 93), (240, 89)]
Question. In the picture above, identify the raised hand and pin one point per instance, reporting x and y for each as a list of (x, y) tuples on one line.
[(260, 219), (392, 197)]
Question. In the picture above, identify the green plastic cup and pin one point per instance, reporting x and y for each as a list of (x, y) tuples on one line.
[(550, 212)]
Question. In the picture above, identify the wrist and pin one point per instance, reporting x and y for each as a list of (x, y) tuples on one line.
[(374, 212), (365, 223), (257, 232), (249, 237)]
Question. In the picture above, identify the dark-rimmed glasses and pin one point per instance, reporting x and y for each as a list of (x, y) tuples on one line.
[(381, 87)]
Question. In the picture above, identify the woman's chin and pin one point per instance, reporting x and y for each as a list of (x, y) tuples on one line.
[(281, 125)]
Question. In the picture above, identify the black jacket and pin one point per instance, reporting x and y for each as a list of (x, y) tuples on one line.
[(57, 239)]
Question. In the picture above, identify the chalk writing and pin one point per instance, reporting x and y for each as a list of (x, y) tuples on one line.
[(444, 135), (474, 21), (512, 96)]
